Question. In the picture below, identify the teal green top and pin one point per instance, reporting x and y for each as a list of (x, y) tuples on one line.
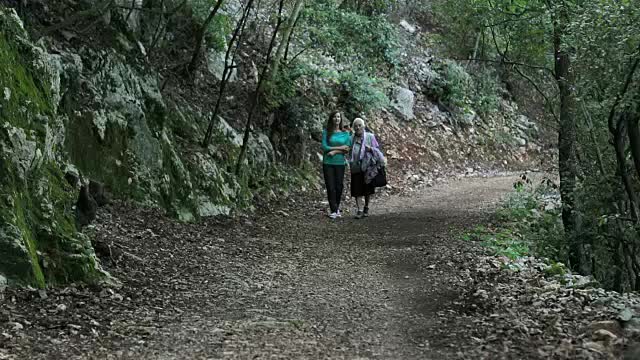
[(338, 138)]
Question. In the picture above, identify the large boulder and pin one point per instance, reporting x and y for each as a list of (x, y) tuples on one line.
[(403, 102), (122, 133), (216, 64), (38, 238)]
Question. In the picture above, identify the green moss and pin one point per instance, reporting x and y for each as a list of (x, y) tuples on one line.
[(17, 216), (556, 269), (29, 240), (177, 196), (26, 95), (101, 159), (39, 241)]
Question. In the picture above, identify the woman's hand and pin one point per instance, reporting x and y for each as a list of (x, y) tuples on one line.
[(344, 148), (368, 148), (333, 152)]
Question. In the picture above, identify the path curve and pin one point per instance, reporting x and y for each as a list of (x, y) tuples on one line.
[(291, 285)]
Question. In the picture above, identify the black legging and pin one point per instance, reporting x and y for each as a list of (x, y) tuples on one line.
[(333, 180)]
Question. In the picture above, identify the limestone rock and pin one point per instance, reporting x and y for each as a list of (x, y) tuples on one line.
[(403, 102), (604, 336), (469, 117), (612, 326), (408, 27), (36, 220), (215, 65), (520, 141)]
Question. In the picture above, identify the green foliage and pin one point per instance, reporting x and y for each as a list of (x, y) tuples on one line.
[(485, 95), (363, 41), (520, 27), (452, 85), (556, 269), (500, 241), (369, 7), (527, 224), (357, 91), (361, 93), (219, 27), (455, 87)]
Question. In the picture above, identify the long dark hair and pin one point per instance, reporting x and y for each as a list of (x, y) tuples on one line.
[(329, 126)]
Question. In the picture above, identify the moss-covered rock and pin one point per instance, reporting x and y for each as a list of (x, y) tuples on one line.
[(121, 132), (104, 115), (38, 239)]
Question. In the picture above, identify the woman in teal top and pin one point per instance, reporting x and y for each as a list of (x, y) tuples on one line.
[(335, 144)]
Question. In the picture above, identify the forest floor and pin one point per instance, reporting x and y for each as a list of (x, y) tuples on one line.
[(291, 283)]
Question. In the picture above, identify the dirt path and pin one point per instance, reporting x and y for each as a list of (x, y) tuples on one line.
[(289, 285)]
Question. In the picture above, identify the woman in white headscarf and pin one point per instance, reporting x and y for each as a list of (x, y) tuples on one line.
[(364, 147)]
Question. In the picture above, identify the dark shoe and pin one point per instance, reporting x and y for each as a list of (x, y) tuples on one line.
[(359, 215), (365, 213)]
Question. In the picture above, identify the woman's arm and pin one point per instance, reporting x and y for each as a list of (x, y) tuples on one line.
[(325, 144), (334, 152)]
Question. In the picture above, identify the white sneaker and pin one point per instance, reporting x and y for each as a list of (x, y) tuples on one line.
[(333, 215), (338, 214)]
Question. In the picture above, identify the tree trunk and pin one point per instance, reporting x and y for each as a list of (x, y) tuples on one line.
[(633, 117), (200, 37), (620, 145), (286, 34), (567, 140), (634, 141), (258, 92), (228, 66), (286, 50)]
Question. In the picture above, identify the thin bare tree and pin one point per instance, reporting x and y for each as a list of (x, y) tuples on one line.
[(229, 65)]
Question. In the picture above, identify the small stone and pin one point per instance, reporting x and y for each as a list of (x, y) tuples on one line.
[(408, 27), (61, 307), (521, 142), (610, 325), (604, 335), (625, 315), (594, 346)]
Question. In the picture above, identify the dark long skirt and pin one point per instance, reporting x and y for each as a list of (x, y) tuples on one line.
[(359, 187)]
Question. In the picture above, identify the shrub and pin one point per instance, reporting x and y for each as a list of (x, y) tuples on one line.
[(219, 27), (369, 41), (361, 93), (450, 84), (485, 94), (529, 223)]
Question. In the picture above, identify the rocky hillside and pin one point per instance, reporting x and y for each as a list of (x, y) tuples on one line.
[(97, 106)]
